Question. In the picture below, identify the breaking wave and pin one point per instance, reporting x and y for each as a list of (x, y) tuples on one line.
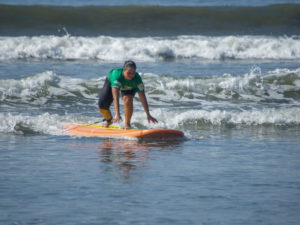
[(53, 124), (278, 86), (184, 103), (108, 48)]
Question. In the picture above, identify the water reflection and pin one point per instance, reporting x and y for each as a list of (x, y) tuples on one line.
[(127, 156)]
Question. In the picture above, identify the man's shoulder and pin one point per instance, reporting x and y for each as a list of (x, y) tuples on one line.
[(115, 73), (138, 77)]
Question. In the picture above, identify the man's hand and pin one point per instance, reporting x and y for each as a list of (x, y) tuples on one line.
[(146, 107), (151, 119), (117, 119)]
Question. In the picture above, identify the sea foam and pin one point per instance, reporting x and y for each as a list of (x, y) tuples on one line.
[(281, 86), (185, 120), (108, 48), (186, 103)]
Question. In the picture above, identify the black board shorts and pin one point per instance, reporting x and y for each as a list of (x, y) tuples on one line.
[(105, 95)]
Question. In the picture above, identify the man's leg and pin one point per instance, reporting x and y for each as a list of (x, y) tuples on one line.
[(128, 109), (107, 116), (105, 100)]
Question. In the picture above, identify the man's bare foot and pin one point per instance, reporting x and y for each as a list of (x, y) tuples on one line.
[(127, 127), (107, 124)]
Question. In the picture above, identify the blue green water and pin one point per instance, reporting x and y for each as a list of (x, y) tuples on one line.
[(231, 179), (147, 2), (231, 84), (233, 168)]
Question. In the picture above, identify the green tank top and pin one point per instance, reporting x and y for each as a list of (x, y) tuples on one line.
[(117, 80)]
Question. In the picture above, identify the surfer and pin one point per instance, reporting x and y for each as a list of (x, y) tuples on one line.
[(127, 81)]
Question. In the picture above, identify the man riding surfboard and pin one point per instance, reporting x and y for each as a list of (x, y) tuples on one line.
[(127, 81)]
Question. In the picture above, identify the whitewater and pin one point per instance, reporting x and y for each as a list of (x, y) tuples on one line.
[(107, 48), (186, 103)]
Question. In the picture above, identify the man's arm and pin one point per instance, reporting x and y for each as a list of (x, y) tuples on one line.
[(144, 102), (116, 94)]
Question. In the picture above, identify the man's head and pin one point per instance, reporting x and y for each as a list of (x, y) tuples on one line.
[(129, 69)]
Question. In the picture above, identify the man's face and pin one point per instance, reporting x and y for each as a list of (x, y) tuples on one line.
[(129, 73)]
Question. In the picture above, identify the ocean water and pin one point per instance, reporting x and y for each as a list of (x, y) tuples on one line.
[(226, 73), (148, 2)]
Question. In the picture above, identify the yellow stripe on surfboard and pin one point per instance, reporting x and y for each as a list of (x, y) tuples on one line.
[(111, 127)]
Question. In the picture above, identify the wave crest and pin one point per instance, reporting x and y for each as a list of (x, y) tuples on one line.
[(47, 87), (281, 86), (150, 48), (278, 86)]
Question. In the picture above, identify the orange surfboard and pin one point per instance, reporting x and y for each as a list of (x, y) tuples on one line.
[(115, 131)]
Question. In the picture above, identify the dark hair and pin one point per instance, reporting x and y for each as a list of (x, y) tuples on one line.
[(129, 64)]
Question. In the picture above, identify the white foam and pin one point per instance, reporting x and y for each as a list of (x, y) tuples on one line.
[(150, 48), (177, 102), (253, 86), (47, 87), (185, 120), (40, 88), (253, 117), (45, 123)]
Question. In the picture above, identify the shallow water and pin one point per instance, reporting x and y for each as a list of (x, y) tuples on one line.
[(222, 179), (239, 163), (227, 173)]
